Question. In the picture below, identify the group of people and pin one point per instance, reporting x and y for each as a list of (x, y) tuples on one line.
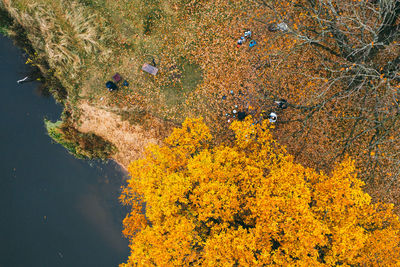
[(282, 103), (244, 38), (241, 113), (235, 113), (117, 79), (112, 85), (274, 27)]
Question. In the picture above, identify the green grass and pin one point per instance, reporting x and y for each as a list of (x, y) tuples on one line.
[(190, 75), (53, 130), (81, 145)]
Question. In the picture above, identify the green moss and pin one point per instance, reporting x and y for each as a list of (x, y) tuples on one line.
[(54, 131), (81, 145)]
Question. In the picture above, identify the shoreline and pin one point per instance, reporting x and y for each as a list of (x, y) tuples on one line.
[(65, 204), (129, 139)]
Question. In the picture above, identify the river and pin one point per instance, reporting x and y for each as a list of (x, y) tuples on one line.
[(56, 210)]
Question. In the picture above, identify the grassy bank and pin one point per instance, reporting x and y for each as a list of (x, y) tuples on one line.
[(82, 44), (81, 145), (85, 42)]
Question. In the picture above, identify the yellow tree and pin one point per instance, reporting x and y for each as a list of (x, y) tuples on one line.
[(249, 204)]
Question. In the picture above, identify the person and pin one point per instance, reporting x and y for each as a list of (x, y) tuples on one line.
[(241, 41), (282, 103), (117, 77), (241, 115), (247, 34), (272, 117), (252, 43), (111, 86), (282, 27)]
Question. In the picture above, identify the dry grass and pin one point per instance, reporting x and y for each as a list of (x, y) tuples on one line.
[(129, 139), (67, 36)]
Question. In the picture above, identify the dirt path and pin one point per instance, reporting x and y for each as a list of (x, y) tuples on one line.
[(130, 140)]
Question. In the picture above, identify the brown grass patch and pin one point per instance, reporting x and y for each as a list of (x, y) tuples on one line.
[(130, 140)]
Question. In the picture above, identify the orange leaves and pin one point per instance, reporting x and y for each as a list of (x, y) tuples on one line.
[(250, 204), (230, 247), (133, 223), (192, 136)]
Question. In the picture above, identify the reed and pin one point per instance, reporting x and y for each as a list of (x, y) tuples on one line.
[(66, 37)]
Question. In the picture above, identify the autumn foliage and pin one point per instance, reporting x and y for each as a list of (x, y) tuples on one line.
[(249, 204), (338, 65)]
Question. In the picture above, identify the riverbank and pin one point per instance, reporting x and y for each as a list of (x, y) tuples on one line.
[(129, 139), (82, 60), (116, 112)]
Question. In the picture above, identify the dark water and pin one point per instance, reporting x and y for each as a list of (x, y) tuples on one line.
[(55, 210)]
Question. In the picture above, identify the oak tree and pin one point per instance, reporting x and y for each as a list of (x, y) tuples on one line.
[(249, 204)]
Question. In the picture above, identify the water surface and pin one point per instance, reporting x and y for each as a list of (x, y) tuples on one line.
[(56, 210)]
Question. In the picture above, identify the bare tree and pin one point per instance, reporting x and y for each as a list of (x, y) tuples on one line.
[(356, 52)]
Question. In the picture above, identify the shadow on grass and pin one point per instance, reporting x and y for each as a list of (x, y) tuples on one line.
[(5, 21)]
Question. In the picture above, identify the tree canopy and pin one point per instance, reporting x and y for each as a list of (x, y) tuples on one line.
[(248, 203)]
